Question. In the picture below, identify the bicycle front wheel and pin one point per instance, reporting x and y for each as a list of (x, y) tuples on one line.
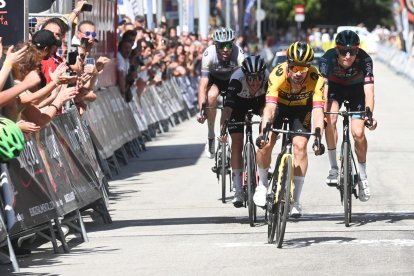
[(347, 183), (283, 200), (251, 183), (223, 172)]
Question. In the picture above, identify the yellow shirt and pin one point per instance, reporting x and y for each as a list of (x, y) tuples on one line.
[(280, 90)]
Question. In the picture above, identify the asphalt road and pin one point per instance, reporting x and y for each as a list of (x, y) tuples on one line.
[(169, 219)]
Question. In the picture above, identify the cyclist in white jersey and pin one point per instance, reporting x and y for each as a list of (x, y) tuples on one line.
[(247, 90), (218, 64)]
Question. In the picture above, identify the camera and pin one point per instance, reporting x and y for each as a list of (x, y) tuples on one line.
[(87, 7)]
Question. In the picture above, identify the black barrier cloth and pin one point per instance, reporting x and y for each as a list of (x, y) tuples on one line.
[(111, 132), (78, 156), (54, 175), (28, 196)]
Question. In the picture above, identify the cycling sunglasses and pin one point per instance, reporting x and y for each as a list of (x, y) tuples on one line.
[(90, 34), (253, 78), (346, 51), (299, 68), (222, 45)]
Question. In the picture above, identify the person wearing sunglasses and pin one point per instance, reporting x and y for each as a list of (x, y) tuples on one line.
[(295, 92), (247, 90), (86, 31), (348, 73), (218, 64)]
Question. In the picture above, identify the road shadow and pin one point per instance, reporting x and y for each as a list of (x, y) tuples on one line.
[(45, 257), (158, 158), (305, 242), (118, 224), (359, 219)]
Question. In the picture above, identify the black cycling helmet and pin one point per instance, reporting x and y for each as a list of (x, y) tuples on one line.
[(347, 39), (300, 53), (253, 65)]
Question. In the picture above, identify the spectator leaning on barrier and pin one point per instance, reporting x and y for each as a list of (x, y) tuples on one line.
[(8, 91), (124, 51), (58, 29), (26, 105)]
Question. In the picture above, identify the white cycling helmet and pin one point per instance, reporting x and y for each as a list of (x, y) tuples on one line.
[(223, 34)]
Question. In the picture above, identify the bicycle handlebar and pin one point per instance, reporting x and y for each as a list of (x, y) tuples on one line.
[(345, 113)]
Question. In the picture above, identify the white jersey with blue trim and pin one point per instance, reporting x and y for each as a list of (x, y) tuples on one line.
[(238, 85), (212, 65)]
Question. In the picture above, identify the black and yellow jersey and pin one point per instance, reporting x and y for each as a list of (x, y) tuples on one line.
[(280, 89)]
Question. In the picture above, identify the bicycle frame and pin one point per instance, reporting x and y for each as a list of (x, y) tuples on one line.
[(349, 176), (281, 185), (249, 166)]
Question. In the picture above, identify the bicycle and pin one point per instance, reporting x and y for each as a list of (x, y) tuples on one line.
[(348, 176), (281, 187), (223, 152), (249, 166)]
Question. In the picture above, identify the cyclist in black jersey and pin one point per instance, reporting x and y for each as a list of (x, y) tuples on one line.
[(218, 64), (247, 90), (348, 73)]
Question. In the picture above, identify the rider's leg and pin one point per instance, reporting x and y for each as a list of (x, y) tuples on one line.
[(236, 159), (361, 144), (212, 95), (264, 158), (331, 133), (331, 136), (301, 164), (361, 147)]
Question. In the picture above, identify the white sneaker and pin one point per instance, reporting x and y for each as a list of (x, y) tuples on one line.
[(364, 193), (296, 210), (259, 196), (332, 179), (210, 148), (238, 199)]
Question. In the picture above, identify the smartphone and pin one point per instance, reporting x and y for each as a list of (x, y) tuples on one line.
[(87, 7), (72, 58), (90, 61), (71, 73), (84, 42)]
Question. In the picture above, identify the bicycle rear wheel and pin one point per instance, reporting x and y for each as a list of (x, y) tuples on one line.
[(283, 201), (251, 182), (347, 183), (223, 171)]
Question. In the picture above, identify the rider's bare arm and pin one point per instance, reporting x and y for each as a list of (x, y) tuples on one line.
[(202, 92), (369, 96)]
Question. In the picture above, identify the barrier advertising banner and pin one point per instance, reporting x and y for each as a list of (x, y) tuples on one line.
[(57, 173)]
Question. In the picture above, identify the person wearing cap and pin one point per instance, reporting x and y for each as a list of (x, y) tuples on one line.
[(47, 44), (59, 29)]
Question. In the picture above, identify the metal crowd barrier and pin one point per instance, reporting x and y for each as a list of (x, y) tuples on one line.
[(400, 62)]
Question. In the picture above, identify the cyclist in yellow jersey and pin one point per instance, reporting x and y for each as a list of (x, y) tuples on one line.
[(295, 91)]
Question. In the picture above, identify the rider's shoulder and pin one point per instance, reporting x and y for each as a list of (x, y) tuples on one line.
[(237, 75)]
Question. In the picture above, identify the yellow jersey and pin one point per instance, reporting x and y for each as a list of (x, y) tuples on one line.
[(280, 89)]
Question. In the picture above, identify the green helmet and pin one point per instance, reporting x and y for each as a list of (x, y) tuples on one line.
[(12, 140)]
